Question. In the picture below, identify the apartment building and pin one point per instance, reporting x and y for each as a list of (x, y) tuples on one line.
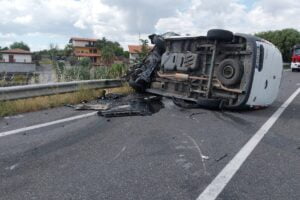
[(86, 48)]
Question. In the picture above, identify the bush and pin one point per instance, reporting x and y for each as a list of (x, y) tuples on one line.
[(77, 73), (115, 71), (85, 62), (284, 39)]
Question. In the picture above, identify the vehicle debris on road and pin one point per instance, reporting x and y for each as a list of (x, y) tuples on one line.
[(132, 106), (119, 105)]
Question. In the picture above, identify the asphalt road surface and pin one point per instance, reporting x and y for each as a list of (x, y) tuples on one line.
[(173, 154)]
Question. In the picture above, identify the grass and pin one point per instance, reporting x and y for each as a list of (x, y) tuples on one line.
[(39, 103), (126, 89), (45, 61)]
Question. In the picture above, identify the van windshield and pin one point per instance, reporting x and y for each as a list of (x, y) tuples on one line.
[(297, 51)]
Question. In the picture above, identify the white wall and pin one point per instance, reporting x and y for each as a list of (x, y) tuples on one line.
[(133, 56), (21, 58), (80, 43)]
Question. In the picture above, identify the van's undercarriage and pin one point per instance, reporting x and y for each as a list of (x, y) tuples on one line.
[(212, 71)]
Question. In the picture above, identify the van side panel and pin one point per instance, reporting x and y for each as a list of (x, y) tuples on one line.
[(267, 75)]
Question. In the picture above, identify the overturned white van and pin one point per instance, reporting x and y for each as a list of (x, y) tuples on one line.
[(220, 70)]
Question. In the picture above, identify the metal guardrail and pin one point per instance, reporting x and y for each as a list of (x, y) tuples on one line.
[(21, 92)]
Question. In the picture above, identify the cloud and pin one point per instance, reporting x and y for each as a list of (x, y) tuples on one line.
[(23, 19), (203, 15), (40, 22), (141, 16)]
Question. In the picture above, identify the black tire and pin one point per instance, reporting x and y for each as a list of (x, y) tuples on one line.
[(229, 72), (139, 87), (220, 35)]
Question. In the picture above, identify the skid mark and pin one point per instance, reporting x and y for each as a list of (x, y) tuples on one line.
[(12, 167), (202, 156), (118, 154)]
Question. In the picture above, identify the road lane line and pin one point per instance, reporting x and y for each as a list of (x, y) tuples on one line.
[(46, 124), (213, 190)]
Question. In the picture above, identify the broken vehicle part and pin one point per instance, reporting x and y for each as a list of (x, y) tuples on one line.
[(141, 77), (142, 106), (220, 70)]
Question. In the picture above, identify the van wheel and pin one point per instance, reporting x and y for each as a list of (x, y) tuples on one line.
[(229, 72), (220, 34)]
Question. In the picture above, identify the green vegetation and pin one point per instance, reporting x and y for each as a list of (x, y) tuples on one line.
[(18, 79), (3, 48), (84, 70), (284, 39), (115, 71), (19, 45), (40, 103), (144, 51), (110, 50)]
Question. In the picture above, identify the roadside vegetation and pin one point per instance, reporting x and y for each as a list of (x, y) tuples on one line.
[(39, 103), (17, 79), (284, 39)]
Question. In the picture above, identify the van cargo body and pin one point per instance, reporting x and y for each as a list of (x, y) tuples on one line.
[(225, 70)]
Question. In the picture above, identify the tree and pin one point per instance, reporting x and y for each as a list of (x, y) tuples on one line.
[(19, 45), (284, 39), (68, 50), (53, 49), (108, 55), (3, 48), (145, 49), (109, 50)]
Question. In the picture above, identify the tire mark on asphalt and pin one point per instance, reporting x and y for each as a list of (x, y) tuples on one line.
[(118, 155), (202, 156)]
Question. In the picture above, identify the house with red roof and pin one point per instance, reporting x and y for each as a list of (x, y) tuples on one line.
[(16, 56), (16, 61), (135, 51)]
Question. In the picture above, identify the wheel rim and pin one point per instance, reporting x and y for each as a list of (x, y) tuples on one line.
[(228, 71)]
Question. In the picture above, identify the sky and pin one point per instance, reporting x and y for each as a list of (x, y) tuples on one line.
[(40, 23)]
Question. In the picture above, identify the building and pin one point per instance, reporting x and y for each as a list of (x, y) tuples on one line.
[(135, 51), (86, 48), (16, 56), (17, 62)]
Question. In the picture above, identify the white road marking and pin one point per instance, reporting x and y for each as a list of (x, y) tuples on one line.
[(213, 190), (46, 124)]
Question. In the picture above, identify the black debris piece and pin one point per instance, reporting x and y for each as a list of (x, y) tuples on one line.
[(134, 106), (222, 157)]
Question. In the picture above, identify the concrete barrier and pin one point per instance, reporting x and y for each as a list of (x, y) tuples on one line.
[(17, 67)]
